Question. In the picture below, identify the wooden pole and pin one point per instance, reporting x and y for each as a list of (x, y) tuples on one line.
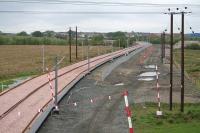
[(182, 64), (171, 63)]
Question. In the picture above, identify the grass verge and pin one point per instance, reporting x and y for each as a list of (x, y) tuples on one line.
[(145, 119)]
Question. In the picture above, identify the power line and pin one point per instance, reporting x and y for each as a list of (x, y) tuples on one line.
[(77, 12), (190, 27), (104, 3)]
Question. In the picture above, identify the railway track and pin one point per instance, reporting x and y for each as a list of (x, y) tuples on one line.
[(38, 86), (61, 73)]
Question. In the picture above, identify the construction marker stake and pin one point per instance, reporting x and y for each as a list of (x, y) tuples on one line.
[(158, 112), (50, 85), (56, 110), (128, 111)]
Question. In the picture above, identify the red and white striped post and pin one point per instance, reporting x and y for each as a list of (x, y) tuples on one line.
[(50, 84), (128, 111), (159, 112)]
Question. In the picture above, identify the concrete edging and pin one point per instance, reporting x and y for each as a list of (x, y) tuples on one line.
[(41, 118)]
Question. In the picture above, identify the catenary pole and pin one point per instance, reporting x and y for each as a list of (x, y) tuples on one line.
[(56, 110), (76, 42), (70, 43)]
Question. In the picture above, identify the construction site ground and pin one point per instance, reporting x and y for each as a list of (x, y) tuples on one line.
[(104, 114)]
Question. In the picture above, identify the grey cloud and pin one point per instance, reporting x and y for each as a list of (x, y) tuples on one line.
[(58, 22)]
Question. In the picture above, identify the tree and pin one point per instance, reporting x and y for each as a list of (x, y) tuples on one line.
[(37, 34), (23, 33), (49, 33), (98, 39), (116, 35)]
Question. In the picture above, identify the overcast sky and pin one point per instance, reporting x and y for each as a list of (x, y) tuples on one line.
[(17, 22)]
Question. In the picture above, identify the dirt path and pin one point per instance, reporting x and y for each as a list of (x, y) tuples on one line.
[(108, 116)]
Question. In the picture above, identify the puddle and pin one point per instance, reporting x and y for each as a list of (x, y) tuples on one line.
[(151, 66), (148, 74), (120, 84), (146, 79)]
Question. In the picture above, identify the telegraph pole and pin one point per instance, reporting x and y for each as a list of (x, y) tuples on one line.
[(171, 61), (164, 44), (76, 43), (161, 41), (171, 57), (182, 59), (70, 45), (182, 64)]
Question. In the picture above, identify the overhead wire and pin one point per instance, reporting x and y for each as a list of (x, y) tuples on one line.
[(190, 27), (96, 3), (102, 3), (74, 12)]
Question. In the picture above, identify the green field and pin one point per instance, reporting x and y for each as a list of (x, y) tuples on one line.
[(26, 60), (192, 64), (146, 121)]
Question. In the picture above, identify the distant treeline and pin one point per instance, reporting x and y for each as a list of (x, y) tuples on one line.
[(193, 38), (193, 46), (52, 38), (29, 40), (157, 39)]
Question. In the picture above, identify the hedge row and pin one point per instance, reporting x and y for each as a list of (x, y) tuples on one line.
[(29, 40)]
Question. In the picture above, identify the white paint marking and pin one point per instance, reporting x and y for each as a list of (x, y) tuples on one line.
[(119, 84)]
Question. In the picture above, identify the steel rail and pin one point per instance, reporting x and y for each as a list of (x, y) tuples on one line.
[(36, 115), (38, 88)]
